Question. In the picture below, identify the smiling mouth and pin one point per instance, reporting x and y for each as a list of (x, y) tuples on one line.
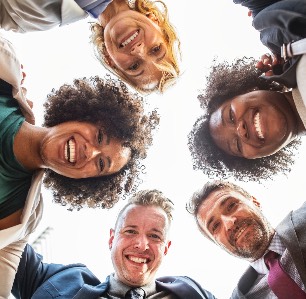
[(129, 39), (257, 125), (239, 233), (70, 150), (138, 260)]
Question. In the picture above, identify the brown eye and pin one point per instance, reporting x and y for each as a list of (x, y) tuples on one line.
[(100, 136), (231, 206), (101, 164), (134, 66), (156, 49), (231, 115)]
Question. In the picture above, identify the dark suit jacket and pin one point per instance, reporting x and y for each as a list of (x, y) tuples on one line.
[(292, 231), (37, 280)]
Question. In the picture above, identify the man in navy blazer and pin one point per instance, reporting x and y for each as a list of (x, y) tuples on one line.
[(229, 216), (138, 244)]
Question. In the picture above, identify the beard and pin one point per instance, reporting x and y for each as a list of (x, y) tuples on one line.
[(253, 243)]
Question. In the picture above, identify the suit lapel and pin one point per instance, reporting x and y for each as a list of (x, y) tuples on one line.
[(179, 287), (245, 283), (92, 292), (292, 232)]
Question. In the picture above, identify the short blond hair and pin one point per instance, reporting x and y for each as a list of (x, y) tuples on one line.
[(149, 198)]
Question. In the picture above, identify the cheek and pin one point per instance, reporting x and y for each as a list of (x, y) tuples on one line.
[(223, 243), (257, 153), (253, 153)]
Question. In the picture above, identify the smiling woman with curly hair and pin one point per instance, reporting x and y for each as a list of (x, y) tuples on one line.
[(250, 125), (121, 116)]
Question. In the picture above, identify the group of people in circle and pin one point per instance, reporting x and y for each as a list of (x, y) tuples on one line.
[(96, 132)]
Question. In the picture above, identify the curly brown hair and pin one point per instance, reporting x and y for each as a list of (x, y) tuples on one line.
[(170, 70), (227, 80), (97, 100)]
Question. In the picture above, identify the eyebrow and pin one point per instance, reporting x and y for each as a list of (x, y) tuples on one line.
[(209, 222), (136, 226), (107, 139), (157, 230), (222, 116)]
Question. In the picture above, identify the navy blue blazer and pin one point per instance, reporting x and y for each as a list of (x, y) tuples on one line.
[(38, 280)]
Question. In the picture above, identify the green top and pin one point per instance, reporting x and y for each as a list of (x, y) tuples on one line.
[(15, 180)]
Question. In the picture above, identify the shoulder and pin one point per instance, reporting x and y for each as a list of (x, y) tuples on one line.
[(184, 287), (32, 16), (10, 70)]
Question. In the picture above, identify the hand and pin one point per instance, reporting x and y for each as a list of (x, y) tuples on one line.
[(270, 64)]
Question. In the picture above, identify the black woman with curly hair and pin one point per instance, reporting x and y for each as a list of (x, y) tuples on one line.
[(121, 128), (250, 126)]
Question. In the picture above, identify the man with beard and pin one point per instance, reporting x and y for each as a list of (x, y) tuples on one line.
[(138, 244), (229, 216)]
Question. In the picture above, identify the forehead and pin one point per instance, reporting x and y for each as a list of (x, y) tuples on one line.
[(216, 200), (149, 217), (216, 116), (217, 122)]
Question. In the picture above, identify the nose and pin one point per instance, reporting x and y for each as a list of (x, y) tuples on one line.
[(228, 221), (242, 130), (138, 49), (141, 243), (91, 151)]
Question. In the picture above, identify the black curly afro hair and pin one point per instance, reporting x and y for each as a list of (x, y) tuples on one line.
[(107, 101), (227, 80)]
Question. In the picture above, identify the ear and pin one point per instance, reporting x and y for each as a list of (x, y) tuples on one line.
[(111, 238), (256, 202), (152, 17), (167, 247)]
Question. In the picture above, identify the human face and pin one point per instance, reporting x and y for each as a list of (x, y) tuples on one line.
[(253, 125), (135, 44), (233, 222), (139, 243), (81, 150)]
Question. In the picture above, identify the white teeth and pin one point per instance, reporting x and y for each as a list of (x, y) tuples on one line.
[(70, 150), (138, 260), (257, 125), (65, 151), (240, 233), (127, 41)]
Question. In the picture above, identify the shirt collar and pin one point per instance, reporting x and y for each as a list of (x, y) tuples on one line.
[(277, 246), (118, 288)]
